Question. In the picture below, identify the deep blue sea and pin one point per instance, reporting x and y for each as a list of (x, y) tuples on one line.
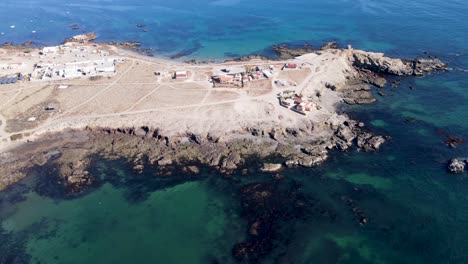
[(418, 213)]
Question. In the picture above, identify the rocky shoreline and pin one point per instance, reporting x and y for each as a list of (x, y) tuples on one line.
[(291, 146), (152, 151), (72, 150)]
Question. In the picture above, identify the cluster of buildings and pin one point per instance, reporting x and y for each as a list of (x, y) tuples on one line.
[(231, 78), (296, 103), (45, 71), (70, 47)]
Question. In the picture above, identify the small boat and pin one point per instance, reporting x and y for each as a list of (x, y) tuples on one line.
[(34, 31), (13, 26)]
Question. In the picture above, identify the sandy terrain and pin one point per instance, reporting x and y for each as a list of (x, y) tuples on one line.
[(135, 96)]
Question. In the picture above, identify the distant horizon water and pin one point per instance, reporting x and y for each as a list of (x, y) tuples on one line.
[(222, 29)]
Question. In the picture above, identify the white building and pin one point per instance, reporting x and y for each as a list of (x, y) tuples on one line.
[(49, 50), (267, 73), (105, 66), (71, 71), (180, 74)]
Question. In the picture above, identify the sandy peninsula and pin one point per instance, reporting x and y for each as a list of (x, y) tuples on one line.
[(64, 104)]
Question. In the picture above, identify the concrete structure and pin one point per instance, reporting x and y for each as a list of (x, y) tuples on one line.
[(180, 75), (105, 66), (73, 70)]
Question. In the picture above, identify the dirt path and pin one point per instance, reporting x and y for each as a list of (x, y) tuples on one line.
[(97, 94)]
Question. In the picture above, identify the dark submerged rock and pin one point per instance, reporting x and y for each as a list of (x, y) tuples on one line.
[(264, 205), (285, 52)]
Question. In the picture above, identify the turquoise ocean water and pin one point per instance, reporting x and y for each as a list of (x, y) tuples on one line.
[(417, 212)]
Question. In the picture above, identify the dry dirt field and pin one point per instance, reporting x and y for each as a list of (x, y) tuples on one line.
[(136, 96)]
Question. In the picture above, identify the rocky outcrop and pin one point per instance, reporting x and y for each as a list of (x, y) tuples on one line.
[(126, 44), (248, 58), (378, 63), (357, 93), (329, 45), (164, 162), (146, 147), (370, 77), (84, 38), (26, 45), (347, 134), (285, 52), (271, 167), (426, 66), (358, 97), (192, 169), (369, 142), (75, 175), (456, 166)]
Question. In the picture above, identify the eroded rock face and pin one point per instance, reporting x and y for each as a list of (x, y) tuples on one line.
[(378, 63), (456, 166), (425, 66), (146, 147), (369, 142)]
